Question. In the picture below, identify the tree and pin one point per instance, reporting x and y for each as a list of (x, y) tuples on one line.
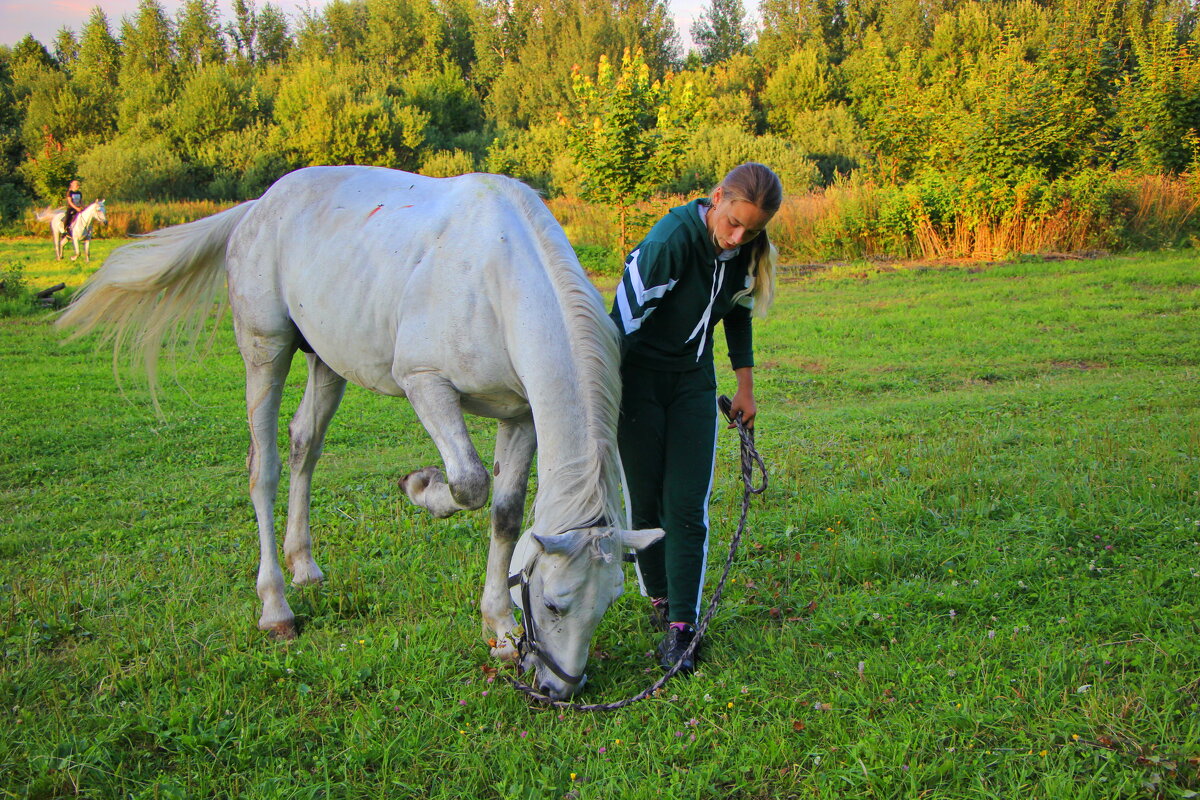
[(274, 41), (402, 35), (542, 37), (12, 189), (1159, 103), (789, 25), (805, 82), (94, 79), (626, 132), (243, 31), (199, 40), (30, 52), (99, 55), (66, 48), (339, 30), (50, 170), (148, 79), (342, 113), (148, 40), (216, 99), (721, 31)]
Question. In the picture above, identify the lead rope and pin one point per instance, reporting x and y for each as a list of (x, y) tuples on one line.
[(751, 462)]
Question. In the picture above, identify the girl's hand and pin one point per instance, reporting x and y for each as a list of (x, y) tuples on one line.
[(743, 399)]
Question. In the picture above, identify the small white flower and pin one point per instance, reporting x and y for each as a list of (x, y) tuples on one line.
[(1083, 689)]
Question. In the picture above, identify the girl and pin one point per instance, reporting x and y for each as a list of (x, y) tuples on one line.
[(704, 262)]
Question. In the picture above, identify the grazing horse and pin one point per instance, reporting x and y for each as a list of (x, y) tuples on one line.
[(461, 294), (81, 228)]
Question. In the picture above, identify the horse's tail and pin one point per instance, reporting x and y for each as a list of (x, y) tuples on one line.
[(164, 283), (47, 214)]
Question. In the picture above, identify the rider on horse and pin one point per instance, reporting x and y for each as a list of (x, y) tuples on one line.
[(74, 205)]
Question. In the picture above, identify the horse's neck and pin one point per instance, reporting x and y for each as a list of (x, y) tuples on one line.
[(576, 455)]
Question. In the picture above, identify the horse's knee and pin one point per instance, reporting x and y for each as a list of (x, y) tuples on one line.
[(301, 437), (507, 513), (470, 488)]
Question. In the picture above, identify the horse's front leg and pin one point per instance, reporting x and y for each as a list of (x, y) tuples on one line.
[(75, 244), (515, 445), (465, 482)]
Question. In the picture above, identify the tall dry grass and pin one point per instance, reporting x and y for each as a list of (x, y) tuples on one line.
[(131, 219), (861, 219)]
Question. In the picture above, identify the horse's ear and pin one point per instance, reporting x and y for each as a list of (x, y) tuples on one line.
[(640, 540), (560, 543)]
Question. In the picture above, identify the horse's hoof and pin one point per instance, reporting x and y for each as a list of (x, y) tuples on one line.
[(281, 631), (306, 574), (417, 481), (505, 651)]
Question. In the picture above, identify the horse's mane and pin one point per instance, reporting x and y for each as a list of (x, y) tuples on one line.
[(590, 489)]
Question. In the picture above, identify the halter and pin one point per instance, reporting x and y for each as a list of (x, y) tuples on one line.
[(528, 642)]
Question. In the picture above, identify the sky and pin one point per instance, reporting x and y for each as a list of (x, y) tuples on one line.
[(43, 18)]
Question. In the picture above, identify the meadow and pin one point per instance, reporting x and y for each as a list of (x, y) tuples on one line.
[(975, 573)]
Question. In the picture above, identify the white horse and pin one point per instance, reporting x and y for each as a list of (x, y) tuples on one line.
[(461, 294), (81, 227)]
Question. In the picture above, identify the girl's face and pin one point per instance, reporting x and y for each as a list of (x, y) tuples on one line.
[(733, 223), (74, 186)]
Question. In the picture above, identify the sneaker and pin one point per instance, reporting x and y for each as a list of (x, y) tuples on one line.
[(658, 614), (674, 645)]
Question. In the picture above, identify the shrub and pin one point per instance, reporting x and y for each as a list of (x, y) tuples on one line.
[(15, 297), (445, 163), (713, 151), (12, 281), (600, 261), (133, 168)]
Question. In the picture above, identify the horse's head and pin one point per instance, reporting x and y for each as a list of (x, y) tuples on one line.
[(567, 581), (101, 213)]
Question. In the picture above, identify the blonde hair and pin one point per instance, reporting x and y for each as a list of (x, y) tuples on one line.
[(756, 183)]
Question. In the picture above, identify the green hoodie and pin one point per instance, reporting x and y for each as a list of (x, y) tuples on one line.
[(666, 307)]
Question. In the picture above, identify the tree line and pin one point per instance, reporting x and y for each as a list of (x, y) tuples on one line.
[(1004, 103)]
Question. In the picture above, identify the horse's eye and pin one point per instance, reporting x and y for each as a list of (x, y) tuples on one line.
[(553, 609)]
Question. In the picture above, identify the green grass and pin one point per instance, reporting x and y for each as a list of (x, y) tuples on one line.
[(975, 573)]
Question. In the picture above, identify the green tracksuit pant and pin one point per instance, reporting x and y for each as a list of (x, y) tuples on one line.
[(667, 436)]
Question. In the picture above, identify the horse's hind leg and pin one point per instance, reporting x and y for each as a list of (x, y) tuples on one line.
[(267, 362), (307, 433), (465, 484), (515, 445)]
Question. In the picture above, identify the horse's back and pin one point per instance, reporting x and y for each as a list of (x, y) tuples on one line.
[(384, 271)]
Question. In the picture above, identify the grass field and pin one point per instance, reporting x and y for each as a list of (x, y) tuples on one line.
[(975, 574)]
